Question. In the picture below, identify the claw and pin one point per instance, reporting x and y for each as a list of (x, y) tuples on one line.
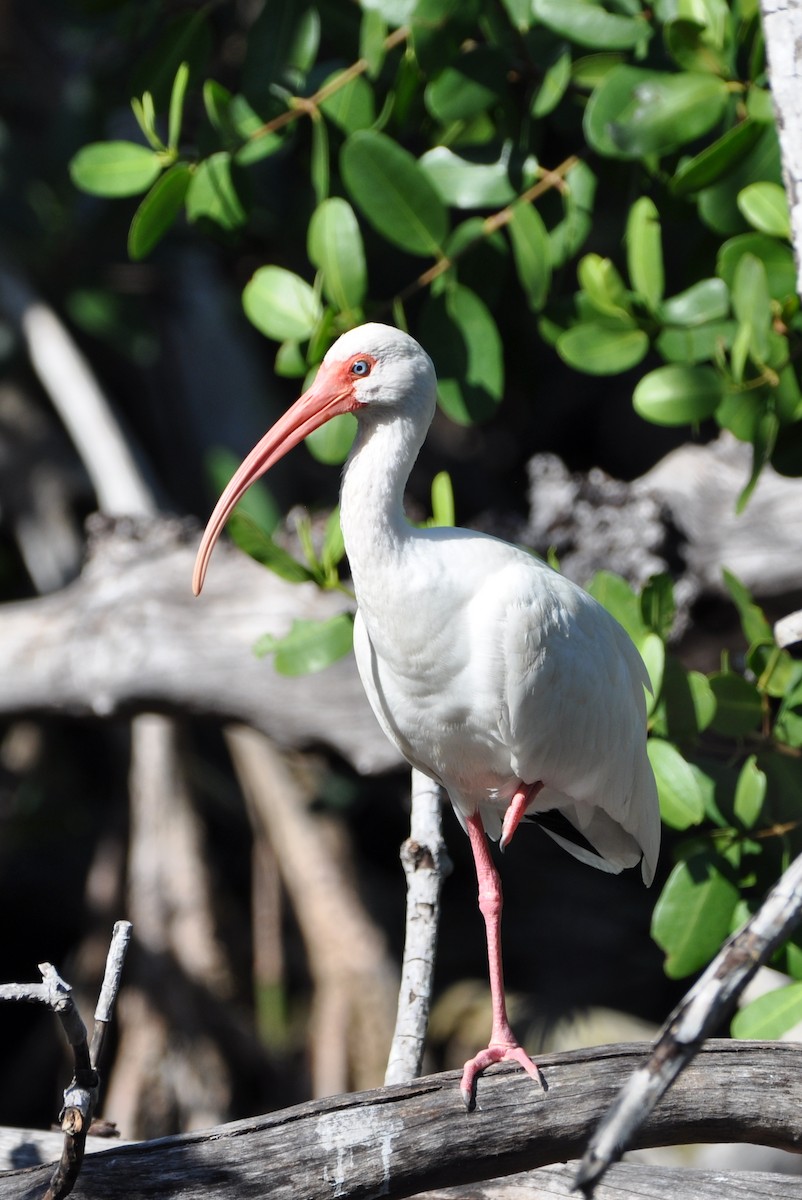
[(493, 1054)]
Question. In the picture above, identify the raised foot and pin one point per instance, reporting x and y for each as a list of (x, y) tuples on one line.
[(496, 1052)]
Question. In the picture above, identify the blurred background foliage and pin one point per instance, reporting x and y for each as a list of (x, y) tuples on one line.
[(577, 208)]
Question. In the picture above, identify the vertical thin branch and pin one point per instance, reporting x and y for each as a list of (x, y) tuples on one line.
[(426, 864)]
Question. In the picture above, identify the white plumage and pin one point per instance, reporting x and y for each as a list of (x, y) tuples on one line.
[(489, 671)]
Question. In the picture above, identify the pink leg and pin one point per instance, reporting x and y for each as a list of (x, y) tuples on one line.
[(517, 807), (502, 1046)]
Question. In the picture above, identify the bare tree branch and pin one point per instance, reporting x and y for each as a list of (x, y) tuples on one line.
[(700, 1012), (394, 1142), (426, 864), (80, 1096)]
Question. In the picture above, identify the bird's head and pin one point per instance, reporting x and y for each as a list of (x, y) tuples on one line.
[(373, 369)]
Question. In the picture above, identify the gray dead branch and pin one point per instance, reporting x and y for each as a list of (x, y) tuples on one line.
[(128, 637), (398, 1141)]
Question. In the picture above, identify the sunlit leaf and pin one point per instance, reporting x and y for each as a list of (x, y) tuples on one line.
[(645, 251), (750, 793), (335, 247), (465, 184), (330, 443), (765, 207), (678, 395), (693, 914), (115, 168), (681, 798), (635, 112), (707, 300), (771, 1015), (598, 349), (591, 25), (393, 192), (176, 111), (281, 304), (310, 646)]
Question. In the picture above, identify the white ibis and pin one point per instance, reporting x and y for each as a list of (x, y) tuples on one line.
[(490, 672)]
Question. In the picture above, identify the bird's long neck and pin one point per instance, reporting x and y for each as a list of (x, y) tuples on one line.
[(376, 532)]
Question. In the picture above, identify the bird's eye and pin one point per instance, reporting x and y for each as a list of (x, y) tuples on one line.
[(360, 366)]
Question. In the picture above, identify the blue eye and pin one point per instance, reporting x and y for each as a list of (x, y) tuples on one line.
[(360, 367)]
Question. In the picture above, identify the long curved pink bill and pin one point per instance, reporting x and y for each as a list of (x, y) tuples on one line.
[(325, 399)]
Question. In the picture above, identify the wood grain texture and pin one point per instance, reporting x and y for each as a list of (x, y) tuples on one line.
[(398, 1141)]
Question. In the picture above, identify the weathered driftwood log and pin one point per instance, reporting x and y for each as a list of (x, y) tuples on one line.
[(129, 636), (681, 516), (394, 1142)]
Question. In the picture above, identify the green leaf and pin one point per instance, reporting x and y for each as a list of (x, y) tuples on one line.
[(115, 169), (752, 306), (686, 705), (707, 300), (588, 24), (281, 304), (569, 235), (472, 84), (715, 160), (645, 251), (319, 168), (334, 245), (310, 646), (634, 112), (776, 257), (468, 354), (465, 184), (771, 1015), (614, 593), (717, 204), (690, 45), (212, 195), (750, 793), (351, 106), (257, 503), (738, 705), (597, 349), (443, 513), (260, 546), (658, 606), (281, 48), (330, 443), (754, 624), (372, 34), (681, 798), (530, 251), (765, 207), (696, 344), (693, 914), (176, 112), (604, 286), (158, 211), (553, 85), (333, 549), (678, 395), (395, 195)]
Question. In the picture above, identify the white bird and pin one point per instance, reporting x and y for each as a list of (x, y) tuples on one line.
[(490, 672)]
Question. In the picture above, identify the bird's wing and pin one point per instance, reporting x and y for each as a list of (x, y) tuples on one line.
[(576, 717)]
